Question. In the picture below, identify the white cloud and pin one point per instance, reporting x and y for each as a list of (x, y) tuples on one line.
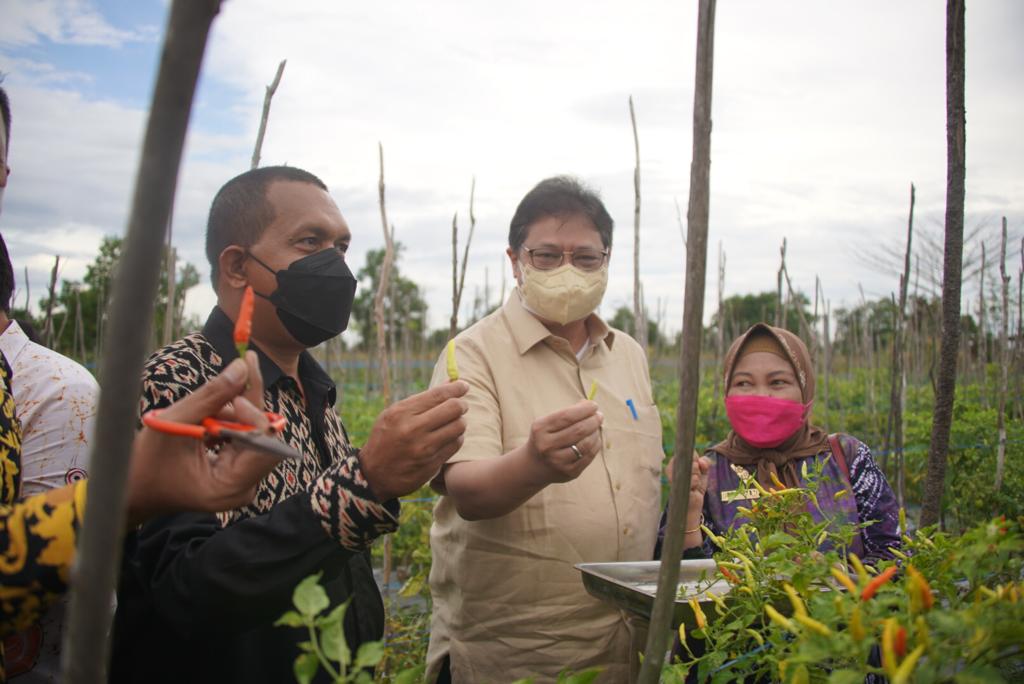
[(72, 22), (823, 115)]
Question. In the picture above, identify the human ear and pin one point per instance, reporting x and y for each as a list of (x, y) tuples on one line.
[(231, 263), (514, 260)]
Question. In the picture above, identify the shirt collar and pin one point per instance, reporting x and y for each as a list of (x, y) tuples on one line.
[(12, 341), (219, 330), (528, 331)]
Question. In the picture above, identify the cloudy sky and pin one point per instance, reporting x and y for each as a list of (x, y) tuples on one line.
[(824, 113)]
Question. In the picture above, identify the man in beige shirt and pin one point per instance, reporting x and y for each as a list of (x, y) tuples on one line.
[(545, 478)]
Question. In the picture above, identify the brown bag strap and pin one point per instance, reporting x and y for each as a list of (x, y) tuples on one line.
[(840, 454)]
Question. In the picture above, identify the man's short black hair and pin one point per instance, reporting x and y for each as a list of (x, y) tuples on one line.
[(560, 196), (5, 113), (240, 212), (6, 277)]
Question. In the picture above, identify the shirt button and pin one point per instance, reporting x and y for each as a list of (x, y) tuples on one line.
[(608, 444), (618, 486), (625, 530)]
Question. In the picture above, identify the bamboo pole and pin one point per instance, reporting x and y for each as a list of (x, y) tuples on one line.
[(780, 313), (639, 318), (382, 288), (28, 294), (934, 485), (1004, 361), (693, 314), (982, 339), (267, 97), (898, 380), (131, 318)]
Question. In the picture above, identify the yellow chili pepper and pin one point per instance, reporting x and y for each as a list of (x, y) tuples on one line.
[(747, 590), (889, 647), (800, 675), (903, 519), (903, 672), (453, 368), (682, 633), (698, 613), (857, 630), (757, 636), (988, 592), (840, 494), (923, 635), (862, 573), (899, 554), (744, 511), (777, 617), (907, 540), (719, 542), (593, 391), (717, 600), (844, 579), (757, 485), (822, 537), (812, 624), (794, 598), (776, 481)]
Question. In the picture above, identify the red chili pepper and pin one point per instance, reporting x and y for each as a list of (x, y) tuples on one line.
[(877, 582), (900, 643), (243, 326), (727, 574)]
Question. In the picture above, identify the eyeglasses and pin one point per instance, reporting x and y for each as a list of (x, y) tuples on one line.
[(547, 258)]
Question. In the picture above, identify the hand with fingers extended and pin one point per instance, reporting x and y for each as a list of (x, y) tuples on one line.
[(169, 473), (565, 442), (413, 438)]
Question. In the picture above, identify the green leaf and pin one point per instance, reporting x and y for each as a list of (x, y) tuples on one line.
[(290, 619), (410, 676), (337, 615), (309, 597), (582, 677), (363, 677), (846, 677), (369, 654), (305, 668), (333, 644)]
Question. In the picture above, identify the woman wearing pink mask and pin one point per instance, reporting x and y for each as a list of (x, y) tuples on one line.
[(769, 380)]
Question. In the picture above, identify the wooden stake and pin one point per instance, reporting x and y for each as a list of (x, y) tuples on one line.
[(51, 300), (131, 323), (639, 317), (689, 380), (271, 89), (934, 485), (1004, 362), (382, 289)]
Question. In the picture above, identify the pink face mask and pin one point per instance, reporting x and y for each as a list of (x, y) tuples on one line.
[(765, 422)]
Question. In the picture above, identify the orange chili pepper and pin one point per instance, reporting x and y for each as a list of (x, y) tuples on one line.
[(243, 326), (877, 582), (922, 590)]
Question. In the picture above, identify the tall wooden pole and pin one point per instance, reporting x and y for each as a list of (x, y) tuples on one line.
[(1004, 361), (689, 358), (639, 319), (131, 322), (952, 264), (382, 288)]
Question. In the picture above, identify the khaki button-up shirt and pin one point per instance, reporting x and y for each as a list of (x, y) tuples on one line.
[(507, 601)]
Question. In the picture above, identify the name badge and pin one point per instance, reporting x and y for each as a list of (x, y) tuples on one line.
[(740, 495)]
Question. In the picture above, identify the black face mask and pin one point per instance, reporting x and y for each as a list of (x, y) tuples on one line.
[(313, 296)]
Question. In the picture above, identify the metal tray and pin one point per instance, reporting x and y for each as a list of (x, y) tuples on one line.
[(631, 587)]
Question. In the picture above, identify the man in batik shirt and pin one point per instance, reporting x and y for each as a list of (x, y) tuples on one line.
[(200, 593)]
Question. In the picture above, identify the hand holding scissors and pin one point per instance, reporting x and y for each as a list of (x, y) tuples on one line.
[(170, 473)]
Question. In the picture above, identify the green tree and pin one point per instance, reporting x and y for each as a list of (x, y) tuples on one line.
[(739, 312), (80, 308), (404, 306), (623, 320)]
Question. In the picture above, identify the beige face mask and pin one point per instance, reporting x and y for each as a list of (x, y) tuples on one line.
[(563, 294)]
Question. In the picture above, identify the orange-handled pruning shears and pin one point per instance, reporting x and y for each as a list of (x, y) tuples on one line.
[(214, 428)]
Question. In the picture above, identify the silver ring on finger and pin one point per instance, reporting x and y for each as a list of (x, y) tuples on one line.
[(576, 450)]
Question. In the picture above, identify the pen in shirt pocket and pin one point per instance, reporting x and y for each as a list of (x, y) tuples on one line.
[(632, 409)]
